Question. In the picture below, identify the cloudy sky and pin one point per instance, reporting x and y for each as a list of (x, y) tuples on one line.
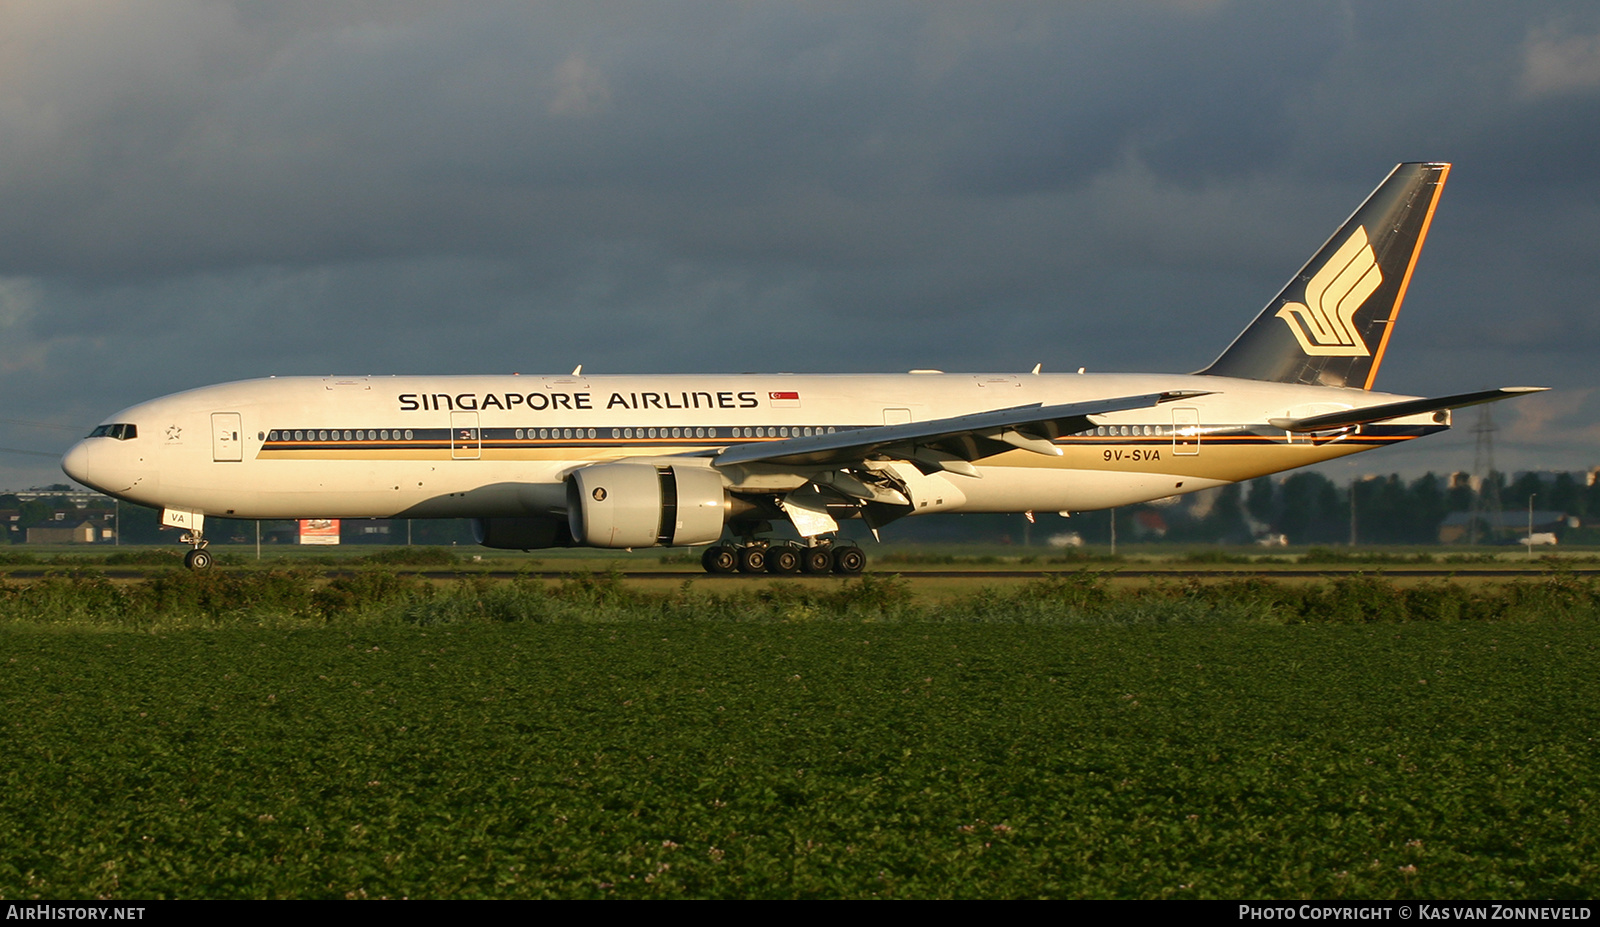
[(193, 192)]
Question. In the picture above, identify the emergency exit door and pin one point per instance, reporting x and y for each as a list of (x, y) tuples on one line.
[(466, 441)]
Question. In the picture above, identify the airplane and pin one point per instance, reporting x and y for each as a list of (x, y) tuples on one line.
[(716, 461)]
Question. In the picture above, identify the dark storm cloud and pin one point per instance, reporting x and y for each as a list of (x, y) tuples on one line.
[(445, 132), (192, 192)]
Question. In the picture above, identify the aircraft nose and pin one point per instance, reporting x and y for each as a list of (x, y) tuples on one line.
[(77, 463)]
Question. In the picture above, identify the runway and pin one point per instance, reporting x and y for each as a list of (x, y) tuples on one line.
[(1390, 572)]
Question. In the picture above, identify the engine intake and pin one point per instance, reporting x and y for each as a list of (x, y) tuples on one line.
[(640, 505)]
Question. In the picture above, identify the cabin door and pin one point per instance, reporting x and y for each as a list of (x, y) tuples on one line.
[(1186, 432), (225, 443)]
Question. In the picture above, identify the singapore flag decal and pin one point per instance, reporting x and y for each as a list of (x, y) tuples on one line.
[(1324, 324)]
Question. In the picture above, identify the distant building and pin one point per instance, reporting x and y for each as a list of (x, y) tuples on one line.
[(1457, 526), (57, 516), (1149, 523), (84, 532), (82, 498)]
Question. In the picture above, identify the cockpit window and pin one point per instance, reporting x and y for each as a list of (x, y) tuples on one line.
[(120, 431)]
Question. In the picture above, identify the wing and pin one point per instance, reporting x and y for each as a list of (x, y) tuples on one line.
[(945, 443), (853, 468)]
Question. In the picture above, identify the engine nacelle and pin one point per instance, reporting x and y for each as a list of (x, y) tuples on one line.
[(643, 505), (521, 533)]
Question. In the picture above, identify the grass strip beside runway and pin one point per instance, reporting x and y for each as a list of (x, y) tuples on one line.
[(441, 754)]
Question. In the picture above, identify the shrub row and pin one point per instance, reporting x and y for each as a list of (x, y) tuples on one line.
[(180, 598)]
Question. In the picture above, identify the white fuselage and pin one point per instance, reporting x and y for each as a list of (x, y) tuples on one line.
[(501, 446)]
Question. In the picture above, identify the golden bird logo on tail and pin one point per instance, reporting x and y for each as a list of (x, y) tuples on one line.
[(1326, 327)]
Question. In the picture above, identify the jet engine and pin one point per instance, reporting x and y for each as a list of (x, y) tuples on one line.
[(521, 533), (644, 505)]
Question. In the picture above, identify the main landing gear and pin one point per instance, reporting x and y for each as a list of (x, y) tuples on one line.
[(199, 558), (765, 557)]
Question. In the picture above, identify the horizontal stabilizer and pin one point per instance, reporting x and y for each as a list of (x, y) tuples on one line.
[(1343, 419)]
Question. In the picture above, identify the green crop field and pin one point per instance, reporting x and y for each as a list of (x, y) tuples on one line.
[(272, 736)]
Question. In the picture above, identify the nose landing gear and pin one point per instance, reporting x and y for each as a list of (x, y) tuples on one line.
[(199, 558)]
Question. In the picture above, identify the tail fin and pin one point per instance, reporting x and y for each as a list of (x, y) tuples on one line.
[(1331, 324)]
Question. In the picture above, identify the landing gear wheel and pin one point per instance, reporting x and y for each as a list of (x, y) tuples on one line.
[(817, 560), (720, 559), (849, 560), (783, 560), (753, 560), (198, 559)]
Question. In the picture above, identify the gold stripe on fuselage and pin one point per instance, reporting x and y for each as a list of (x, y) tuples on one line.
[(1220, 457)]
